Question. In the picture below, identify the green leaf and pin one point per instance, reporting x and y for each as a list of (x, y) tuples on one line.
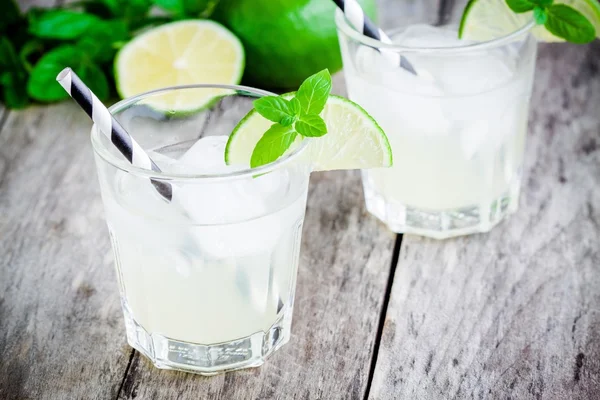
[(33, 47), (42, 81), (94, 77), (174, 6), (311, 125), (15, 96), (272, 145), (9, 15), (8, 55), (276, 109), (296, 107), (42, 84), (520, 6), (566, 22), (540, 15), (13, 76), (61, 24), (97, 7), (314, 91), (543, 3), (101, 41), (129, 8)]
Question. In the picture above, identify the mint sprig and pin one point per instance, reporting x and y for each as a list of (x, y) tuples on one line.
[(559, 19), (293, 118)]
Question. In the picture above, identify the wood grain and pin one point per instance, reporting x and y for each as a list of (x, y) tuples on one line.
[(61, 329), (513, 314), (60, 320), (344, 265)]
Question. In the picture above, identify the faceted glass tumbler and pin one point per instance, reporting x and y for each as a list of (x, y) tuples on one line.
[(207, 280), (457, 128)]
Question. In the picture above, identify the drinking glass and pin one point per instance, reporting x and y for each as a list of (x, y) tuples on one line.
[(457, 128), (206, 280)]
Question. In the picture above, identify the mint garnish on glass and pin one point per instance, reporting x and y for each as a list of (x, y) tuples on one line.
[(298, 116), (559, 19), (576, 21)]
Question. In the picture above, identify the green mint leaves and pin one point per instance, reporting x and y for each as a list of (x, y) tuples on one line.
[(568, 23), (278, 109), (292, 118), (273, 144), (314, 91), (559, 19), (35, 45)]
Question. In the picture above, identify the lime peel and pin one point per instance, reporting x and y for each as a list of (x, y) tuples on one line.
[(180, 53)]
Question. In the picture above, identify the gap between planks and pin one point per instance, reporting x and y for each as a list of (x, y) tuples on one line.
[(133, 351), (382, 316), (383, 313)]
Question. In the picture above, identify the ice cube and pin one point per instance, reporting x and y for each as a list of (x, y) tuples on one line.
[(398, 100), (456, 73), (230, 214), (206, 156), (422, 35)]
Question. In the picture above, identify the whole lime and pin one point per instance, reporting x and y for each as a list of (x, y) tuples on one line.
[(285, 41)]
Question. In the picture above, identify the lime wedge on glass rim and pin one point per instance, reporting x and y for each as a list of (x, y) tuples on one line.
[(180, 53), (485, 20), (353, 140)]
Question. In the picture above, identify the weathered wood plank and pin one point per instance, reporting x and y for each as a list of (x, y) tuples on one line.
[(343, 272), (60, 319), (61, 329), (514, 313)]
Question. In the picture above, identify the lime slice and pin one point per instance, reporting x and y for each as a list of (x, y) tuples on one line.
[(180, 53), (490, 19), (353, 140)]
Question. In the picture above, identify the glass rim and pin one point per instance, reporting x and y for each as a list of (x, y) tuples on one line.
[(344, 27), (118, 162)]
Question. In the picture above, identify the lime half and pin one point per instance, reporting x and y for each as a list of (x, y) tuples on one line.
[(180, 53), (491, 19), (353, 140)]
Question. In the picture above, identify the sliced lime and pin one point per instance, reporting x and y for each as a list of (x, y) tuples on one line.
[(353, 140), (180, 53), (491, 19)]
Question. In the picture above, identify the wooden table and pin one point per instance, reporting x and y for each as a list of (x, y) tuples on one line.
[(512, 314)]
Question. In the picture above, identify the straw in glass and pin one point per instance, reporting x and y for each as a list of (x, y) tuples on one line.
[(363, 24), (111, 128)]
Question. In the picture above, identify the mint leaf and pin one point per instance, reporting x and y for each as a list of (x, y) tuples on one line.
[(10, 14), (276, 109), (42, 84), (272, 145), (543, 3), (520, 6), (60, 24), (128, 8), (540, 15), (566, 22), (13, 76), (101, 41), (311, 125), (296, 107), (314, 91)]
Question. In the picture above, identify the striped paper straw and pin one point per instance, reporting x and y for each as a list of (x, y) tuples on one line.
[(111, 128), (361, 22)]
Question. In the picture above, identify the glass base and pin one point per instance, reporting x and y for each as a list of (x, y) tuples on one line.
[(212, 359), (442, 224)]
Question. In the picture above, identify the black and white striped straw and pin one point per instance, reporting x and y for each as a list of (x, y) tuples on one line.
[(363, 24), (111, 128)]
